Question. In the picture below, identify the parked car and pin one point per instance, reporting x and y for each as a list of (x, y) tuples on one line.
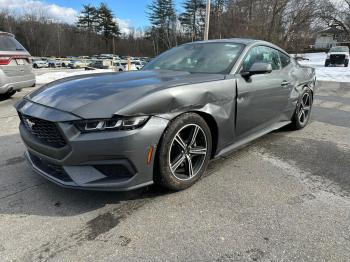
[(65, 62), (102, 63), (119, 67), (165, 122), (15, 66), (40, 63), (53, 63), (132, 66), (139, 64), (338, 55), (74, 64)]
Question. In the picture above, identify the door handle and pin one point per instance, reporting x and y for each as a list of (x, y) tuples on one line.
[(285, 83)]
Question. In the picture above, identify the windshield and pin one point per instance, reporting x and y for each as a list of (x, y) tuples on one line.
[(339, 49), (210, 58), (8, 43)]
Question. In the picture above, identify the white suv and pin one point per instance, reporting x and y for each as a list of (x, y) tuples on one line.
[(338, 55), (15, 66)]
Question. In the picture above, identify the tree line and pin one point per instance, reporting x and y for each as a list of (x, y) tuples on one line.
[(291, 24)]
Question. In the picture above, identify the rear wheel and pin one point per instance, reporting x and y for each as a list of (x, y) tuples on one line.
[(7, 95), (303, 111), (184, 152), (346, 63)]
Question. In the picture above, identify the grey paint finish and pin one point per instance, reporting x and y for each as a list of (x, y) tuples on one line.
[(85, 96), (242, 109)]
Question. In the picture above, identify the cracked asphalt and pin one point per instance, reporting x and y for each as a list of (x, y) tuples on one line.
[(283, 197)]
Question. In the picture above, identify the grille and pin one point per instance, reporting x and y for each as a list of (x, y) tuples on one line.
[(51, 169), (47, 132), (337, 57)]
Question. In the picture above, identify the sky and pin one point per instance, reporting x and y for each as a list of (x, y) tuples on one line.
[(130, 13)]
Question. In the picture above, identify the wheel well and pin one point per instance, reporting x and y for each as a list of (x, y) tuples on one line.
[(212, 126), (213, 129), (312, 92)]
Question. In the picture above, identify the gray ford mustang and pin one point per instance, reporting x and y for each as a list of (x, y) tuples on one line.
[(121, 131)]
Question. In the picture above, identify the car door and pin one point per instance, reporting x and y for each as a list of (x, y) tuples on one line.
[(261, 98)]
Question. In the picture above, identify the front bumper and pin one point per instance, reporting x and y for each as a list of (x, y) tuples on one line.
[(113, 161)]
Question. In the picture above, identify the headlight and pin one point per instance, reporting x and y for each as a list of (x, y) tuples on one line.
[(113, 124)]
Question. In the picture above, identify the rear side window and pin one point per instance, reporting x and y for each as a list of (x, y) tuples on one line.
[(8, 43), (285, 60)]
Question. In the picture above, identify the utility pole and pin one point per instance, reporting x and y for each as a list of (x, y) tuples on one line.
[(207, 19), (59, 38)]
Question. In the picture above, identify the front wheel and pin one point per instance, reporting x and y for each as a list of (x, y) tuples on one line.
[(303, 111), (184, 152)]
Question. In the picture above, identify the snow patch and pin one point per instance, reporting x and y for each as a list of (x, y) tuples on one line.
[(317, 61)]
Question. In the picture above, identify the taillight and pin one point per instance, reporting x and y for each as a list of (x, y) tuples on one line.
[(5, 60)]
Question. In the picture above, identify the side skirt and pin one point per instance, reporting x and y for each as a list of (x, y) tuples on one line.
[(250, 138)]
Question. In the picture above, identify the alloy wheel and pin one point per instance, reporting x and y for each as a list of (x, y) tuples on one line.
[(187, 152), (305, 108)]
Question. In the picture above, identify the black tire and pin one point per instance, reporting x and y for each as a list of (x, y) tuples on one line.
[(346, 63), (7, 95), (35, 66), (302, 115), (184, 126)]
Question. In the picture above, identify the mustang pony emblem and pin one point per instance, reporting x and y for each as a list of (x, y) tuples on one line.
[(30, 123)]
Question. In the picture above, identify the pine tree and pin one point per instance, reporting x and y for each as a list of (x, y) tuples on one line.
[(163, 20), (106, 24), (193, 18), (87, 22), (87, 18)]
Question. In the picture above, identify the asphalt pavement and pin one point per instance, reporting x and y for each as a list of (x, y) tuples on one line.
[(283, 197)]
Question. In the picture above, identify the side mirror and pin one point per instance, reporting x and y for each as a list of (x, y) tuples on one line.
[(258, 69)]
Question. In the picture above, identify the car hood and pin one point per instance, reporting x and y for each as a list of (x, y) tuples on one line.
[(105, 94)]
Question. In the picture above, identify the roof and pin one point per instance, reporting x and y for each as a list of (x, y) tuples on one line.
[(6, 33), (230, 40), (331, 30), (244, 41)]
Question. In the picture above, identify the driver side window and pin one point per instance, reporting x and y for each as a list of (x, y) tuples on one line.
[(261, 54)]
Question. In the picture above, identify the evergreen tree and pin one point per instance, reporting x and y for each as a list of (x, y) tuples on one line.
[(193, 18), (163, 20), (87, 18), (106, 24)]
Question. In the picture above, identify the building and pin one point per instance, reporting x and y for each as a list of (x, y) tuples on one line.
[(331, 36)]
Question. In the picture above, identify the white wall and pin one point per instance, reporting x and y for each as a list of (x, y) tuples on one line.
[(324, 42)]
